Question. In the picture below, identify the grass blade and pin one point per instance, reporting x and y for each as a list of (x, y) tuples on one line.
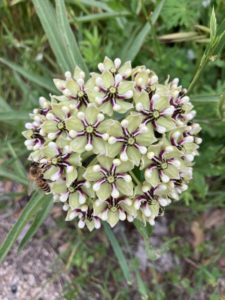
[(4, 106), (39, 80), (101, 16), (139, 39), (70, 44), (38, 221), (13, 116), (30, 209), (19, 167), (14, 177), (118, 252), (47, 17)]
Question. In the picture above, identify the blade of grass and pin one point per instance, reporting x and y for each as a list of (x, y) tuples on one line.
[(145, 231), (47, 16), (17, 164), (142, 288), (118, 252), (38, 221), (39, 80), (14, 177), (70, 44), (13, 116), (4, 106), (139, 39), (30, 209), (101, 16)]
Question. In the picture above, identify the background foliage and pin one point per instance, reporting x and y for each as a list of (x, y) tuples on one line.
[(175, 37)]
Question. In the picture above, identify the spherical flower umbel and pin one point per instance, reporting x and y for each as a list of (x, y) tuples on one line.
[(118, 146)]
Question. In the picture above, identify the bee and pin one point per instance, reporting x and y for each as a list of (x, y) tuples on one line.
[(36, 175)]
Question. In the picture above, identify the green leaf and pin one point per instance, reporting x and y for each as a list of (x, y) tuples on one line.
[(38, 221), (142, 288), (49, 23), (17, 164), (139, 39), (12, 176), (4, 106), (39, 80), (30, 209), (118, 252), (213, 25), (101, 16), (70, 44)]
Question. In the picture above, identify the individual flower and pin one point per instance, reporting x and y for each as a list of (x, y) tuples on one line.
[(73, 88), (185, 141), (144, 79), (115, 67), (162, 163), (88, 130), (76, 194), (149, 200), (111, 93), (130, 139), (114, 209), (155, 110), (110, 178), (58, 164), (54, 126), (86, 217)]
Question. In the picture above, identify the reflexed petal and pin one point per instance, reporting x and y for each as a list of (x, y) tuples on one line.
[(50, 172), (146, 138), (57, 109), (75, 159), (125, 188), (115, 129), (124, 106), (134, 155), (78, 144), (166, 122), (113, 218), (142, 98), (106, 108), (92, 175), (70, 177), (125, 167), (91, 114), (72, 86), (59, 187), (133, 122), (125, 86), (50, 126), (104, 161), (99, 146), (73, 123), (154, 178), (108, 79), (114, 149), (172, 172), (104, 192), (74, 200)]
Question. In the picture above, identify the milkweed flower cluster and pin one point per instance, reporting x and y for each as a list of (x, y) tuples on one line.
[(117, 146)]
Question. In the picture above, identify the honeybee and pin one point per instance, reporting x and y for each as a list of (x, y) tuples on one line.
[(36, 175)]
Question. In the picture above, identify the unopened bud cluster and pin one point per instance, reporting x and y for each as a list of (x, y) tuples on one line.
[(117, 146)]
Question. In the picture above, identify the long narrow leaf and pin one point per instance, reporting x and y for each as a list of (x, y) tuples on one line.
[(13, 116), (30, 209), (40, 81), (48, 20), (4, 106), (70, 44), (17, 164), (14, 177), (38, 221), (118, 252), (101, 16), (139, 39)]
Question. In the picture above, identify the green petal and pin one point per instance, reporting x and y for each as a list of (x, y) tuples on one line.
[(108, 79), (134, 155), (133, 122), (106, 162), (166, 122), (113, 218), (115, 129), (75, 159), (91, 175), (108, 63), (78, 144), (113, 150), (124, 167), (50, 126), (51, 171), (77, 74), (104, 192), (72, 86), (70, 177), (105, 125), (74, 200), (172, 172), (57, 109), (99, 146), (154, 208), (124, 68), (58, 187), (154, 179), (124, 106), (142, 98), (106, 108), (50, 152), (73, 123), (146, 138), (125, 86), (125, 188), (91, 114)]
